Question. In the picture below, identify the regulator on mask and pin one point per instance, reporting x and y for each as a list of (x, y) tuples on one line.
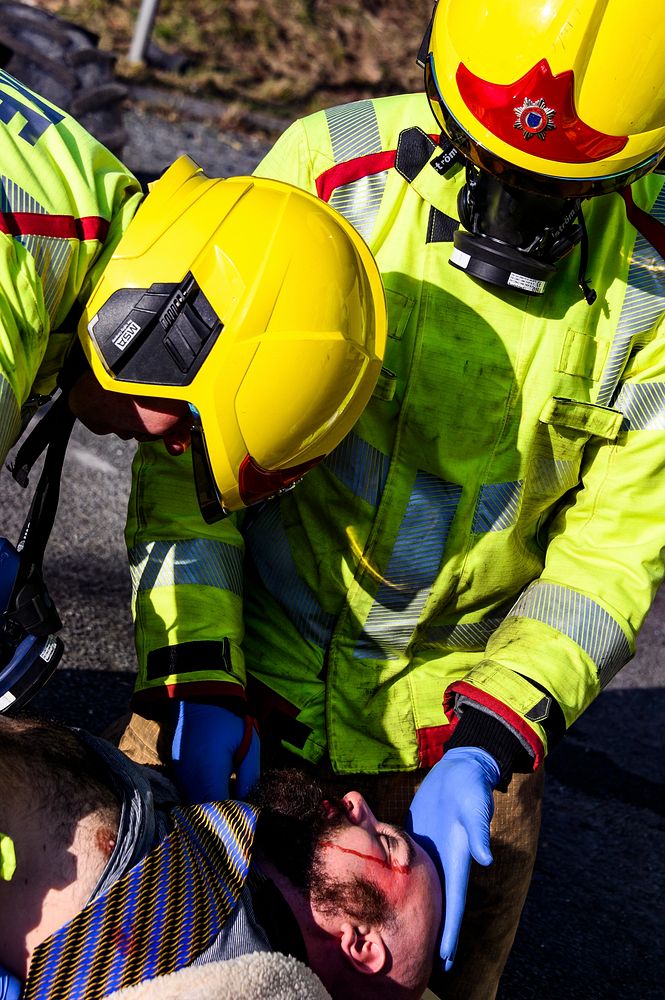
[(513, 238)]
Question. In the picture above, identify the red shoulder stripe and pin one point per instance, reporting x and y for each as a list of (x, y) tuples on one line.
[(90, 227), (353, 170)]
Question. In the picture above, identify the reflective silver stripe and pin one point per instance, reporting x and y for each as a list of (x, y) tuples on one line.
[(14, 199), (10, 418), (52, 256), (643, 303), (196, 561), (359, 201), (268, 546), (354, 130), (471, 636), (582, 620), (643, 406), (412, 569), (361, 467), (554, 476), (498, 506)]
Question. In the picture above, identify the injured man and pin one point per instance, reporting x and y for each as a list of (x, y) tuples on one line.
[(107, 882)]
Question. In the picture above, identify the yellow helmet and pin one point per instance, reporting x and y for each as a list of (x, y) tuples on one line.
[(561, 97), (258, 305)]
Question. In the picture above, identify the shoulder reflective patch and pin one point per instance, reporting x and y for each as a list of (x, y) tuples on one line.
[(412, 568), (582, 620), (51, 251), (643, 406), (268, 547), (197, 561), (52, 257), (354, 130), (498, 506), (354, 133), (359, 201), (643, 303)]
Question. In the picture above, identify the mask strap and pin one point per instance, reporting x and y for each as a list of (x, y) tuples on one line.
[(582, 281)]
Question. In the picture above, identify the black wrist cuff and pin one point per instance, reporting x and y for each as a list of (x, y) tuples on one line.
[(478, 729)]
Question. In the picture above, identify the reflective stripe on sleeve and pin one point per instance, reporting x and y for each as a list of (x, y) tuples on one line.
[(196, 561), (10, 418), (472, 636), (361, 467), (581, 619)]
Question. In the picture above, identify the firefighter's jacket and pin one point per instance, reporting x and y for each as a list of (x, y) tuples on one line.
[(489, 534), (65, 200)]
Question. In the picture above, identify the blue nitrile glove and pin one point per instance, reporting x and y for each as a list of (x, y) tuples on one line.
[(210, 744), (450, 817), (10, 987)]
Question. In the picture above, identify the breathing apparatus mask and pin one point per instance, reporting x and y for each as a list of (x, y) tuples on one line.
[(513, 238)]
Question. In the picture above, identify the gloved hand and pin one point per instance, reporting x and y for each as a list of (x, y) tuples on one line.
[(209, 745), (450, 817), (10, 987)]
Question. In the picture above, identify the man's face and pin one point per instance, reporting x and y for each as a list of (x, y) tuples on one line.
[(357, 848), (346, 861), (140, 417)]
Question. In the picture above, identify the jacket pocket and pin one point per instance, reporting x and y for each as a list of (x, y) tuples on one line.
[(565, 426)]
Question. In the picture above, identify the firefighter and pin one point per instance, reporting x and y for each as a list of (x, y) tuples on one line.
[(239, 322)]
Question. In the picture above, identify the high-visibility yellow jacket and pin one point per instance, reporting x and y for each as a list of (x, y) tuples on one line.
[(489, 534), (65, 200)]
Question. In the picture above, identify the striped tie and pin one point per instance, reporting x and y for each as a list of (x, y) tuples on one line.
[(159, 916)]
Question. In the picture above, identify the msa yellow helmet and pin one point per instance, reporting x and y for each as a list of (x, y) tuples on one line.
[(560, 97), (258, 305)]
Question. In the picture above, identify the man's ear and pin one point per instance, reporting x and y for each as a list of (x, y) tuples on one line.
[(364, 947)]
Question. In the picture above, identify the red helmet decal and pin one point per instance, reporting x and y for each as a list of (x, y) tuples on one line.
[(537, 106)]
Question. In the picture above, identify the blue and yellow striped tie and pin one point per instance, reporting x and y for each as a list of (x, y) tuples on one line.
[(159, 916)]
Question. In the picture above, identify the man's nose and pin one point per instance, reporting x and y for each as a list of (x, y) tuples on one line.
[(357, 810)]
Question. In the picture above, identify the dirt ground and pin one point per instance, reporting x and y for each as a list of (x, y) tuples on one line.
[(284, 56)]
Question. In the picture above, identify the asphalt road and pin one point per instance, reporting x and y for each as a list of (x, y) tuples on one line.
[(593, 924)]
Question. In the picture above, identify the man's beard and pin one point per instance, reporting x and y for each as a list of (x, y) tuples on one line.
[(291, 827)]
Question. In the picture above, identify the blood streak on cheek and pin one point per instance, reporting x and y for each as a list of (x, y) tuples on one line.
[(391, 866)]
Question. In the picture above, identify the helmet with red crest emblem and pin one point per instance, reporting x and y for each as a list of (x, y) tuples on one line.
[(562, 97), (546, 105)]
